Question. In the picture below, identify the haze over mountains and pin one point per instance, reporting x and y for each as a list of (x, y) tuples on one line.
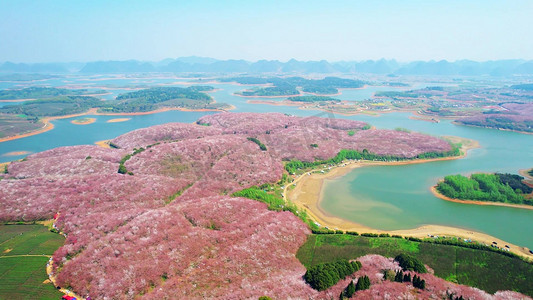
[(211, 65)]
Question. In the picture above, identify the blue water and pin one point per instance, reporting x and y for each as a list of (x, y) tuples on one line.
[(385, 197), (398, 197)]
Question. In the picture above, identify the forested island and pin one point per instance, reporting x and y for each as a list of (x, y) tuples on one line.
[(163, 97), (498, 187), (291, 86), (27, 117), (59, 102)]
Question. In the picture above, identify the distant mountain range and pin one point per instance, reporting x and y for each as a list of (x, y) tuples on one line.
[(196, 64)]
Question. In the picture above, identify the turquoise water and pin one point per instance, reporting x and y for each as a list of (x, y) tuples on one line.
[(384, 197), (67, 134), (398, 197)]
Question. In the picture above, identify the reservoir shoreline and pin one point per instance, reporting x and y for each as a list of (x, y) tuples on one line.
[(93, 112), (309, 190), (475, 202)]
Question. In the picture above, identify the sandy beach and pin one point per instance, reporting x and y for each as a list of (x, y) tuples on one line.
[(103, 144), (118, 120), (307, 195), (525, 174), (16, 153)]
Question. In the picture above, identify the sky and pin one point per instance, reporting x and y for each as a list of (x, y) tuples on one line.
[(405, 30)]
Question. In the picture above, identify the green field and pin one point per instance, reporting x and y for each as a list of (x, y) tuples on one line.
[(24, 252), (486, 270)]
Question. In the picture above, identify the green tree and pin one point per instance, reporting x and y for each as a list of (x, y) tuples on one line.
[(363, 283), (410, 263), (350, 290), (323, 276), (419, 282), (399, 276), (122, 169)]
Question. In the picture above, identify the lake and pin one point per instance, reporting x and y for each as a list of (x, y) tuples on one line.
[(398, 197), (382, 197)]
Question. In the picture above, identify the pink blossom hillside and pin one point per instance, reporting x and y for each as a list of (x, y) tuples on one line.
[(166, 224)]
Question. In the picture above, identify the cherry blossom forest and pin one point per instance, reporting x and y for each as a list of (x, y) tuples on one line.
[(169, 226)]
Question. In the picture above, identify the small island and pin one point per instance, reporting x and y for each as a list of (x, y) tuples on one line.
[(33, 117), (16, 153), (497, 188), (158, 98), (118, 120), (83, 121)]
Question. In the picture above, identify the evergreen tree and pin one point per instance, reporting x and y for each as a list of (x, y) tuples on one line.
[(389, 275), (410, 263), (367, 282), (359, 285), (419, 282), (363, 283), (407, 278), (415, 281), (323, 276), (350, 290), (399, 276)]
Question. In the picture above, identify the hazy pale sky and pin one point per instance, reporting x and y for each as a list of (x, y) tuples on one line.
[(71, 30)]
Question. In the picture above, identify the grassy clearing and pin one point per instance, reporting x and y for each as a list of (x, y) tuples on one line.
[(489, 271), (23, 277)]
